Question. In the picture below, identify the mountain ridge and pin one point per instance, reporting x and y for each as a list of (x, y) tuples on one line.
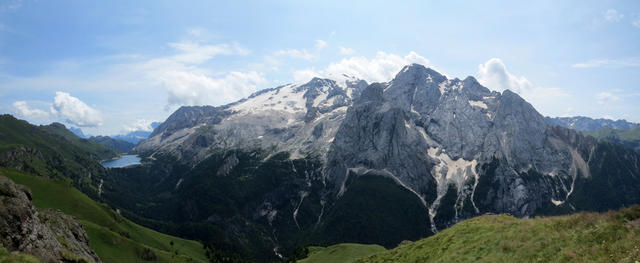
[(582, 123), (293, 161)]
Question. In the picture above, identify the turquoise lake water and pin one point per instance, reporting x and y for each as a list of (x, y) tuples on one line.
[(124, 161)]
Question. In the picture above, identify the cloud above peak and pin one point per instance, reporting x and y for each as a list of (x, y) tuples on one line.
[(192, 88), (494, 75), (139, 125), (74, 111), (22, 109), (381, 68)]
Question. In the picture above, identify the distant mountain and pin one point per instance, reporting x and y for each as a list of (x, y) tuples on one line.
[(117, 145), (580, 123), (136, 136), (629, 138), (78, 132)]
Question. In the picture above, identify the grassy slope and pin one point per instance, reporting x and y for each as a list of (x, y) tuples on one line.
[(341, 253), (60, 154), (7, 257), (101, 151), (583, 237), (630, 137), (106, 229), (49, 139)]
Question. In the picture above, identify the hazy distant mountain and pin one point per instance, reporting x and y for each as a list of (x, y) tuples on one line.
[(339, 160), (78, 132), (136, 136), (581, 123), (117, 145)]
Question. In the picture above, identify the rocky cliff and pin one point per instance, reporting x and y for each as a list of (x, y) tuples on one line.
[(49, 235)]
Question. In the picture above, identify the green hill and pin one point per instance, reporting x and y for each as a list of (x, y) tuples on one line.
[(112, 237), (583, 237), (340, 253), (117, 145), (52, 151), (629, 138)]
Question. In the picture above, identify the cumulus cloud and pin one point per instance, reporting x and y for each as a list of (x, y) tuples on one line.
[(304, 75), (295, 53), (612, 15), (606, 97), (636, 22), (383, 67), (139, 125), (22, 109), (321, 44), (192, 88), (346, 51), (494, 75), (74, 111)]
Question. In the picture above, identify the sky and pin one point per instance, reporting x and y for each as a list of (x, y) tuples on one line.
[(110, 67)]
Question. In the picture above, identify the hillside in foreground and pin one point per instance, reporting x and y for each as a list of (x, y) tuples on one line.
[(111, 236), (582, 237)]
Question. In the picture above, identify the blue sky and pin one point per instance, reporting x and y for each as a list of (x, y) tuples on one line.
[(114, 66)]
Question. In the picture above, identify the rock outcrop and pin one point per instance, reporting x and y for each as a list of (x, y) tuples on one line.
[(49, 235)]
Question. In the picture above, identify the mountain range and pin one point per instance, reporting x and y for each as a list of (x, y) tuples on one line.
[(341, 160), (581, 123), (121, 143)]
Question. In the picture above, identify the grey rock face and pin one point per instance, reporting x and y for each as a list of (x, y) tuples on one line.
[(459, 147), (22, 228), (430, 133)]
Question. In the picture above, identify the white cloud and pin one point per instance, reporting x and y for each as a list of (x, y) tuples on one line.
[(636, 23), (606, 97), (610, 63), (195, 53), (139, 125), (383, 67), (321, 44), (23, 110), (295, 53), (75, 111), (612, 15), (304, 75), (379, 69), (493, 74), (346, 51), (192, 88)]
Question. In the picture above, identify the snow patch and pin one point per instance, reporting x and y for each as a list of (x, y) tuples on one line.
[(478, 104), (449, 171), (302, 195), (286, 99)]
